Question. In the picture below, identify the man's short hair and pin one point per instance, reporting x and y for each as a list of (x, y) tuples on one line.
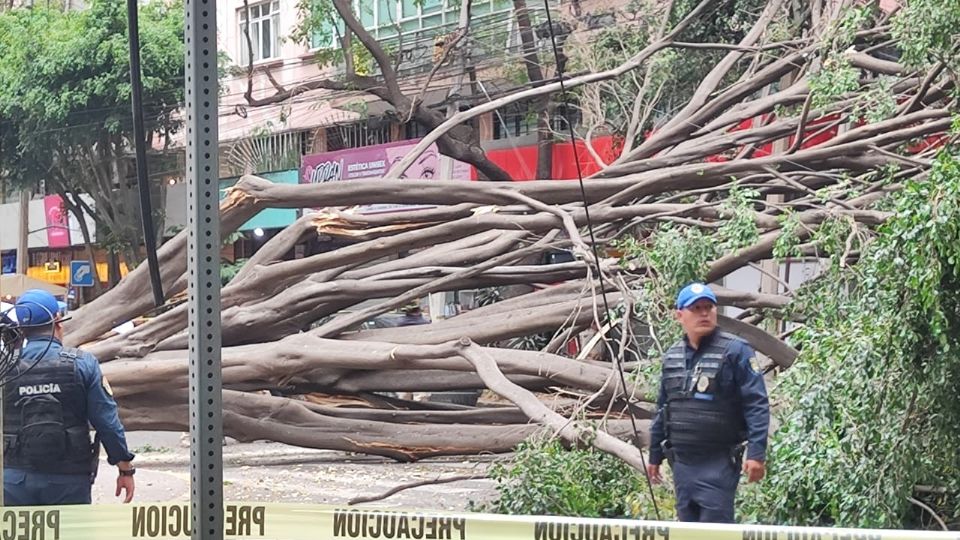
[(35, 332)]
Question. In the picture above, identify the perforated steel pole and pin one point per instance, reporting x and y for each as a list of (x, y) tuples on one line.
[(203, 270)]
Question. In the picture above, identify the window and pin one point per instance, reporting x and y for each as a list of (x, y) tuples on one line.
[(328, 37), (519, 119), (564, 116), (264, 31), (514, 120), (358, 135), (414, 130), (414, 19), (264, 153)]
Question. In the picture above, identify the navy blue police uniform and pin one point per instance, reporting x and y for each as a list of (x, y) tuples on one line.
[(712, 400), (55, 395)]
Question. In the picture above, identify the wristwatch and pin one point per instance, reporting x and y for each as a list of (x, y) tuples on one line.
[(129, 472)]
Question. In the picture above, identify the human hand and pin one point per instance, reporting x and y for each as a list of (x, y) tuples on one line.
[(653, 471), (125, 483), (755, 470)]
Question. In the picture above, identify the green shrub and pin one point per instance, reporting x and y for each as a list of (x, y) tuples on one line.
[(544, 478)]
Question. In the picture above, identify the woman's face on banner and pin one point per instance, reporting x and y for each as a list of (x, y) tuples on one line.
[(424, 167)]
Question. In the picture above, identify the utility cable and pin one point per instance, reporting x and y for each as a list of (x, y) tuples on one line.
[(139, 143), (596, 254)]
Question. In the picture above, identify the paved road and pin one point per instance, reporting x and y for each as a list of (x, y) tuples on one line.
[(272, 472)]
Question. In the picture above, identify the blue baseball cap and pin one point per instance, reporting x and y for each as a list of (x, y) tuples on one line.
[(693, 292), (37, 307)]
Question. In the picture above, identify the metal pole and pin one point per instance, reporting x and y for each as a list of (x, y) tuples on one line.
[(203, 270), (139, 144), (23, 241)]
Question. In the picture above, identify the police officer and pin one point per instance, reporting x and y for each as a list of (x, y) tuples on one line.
[(53, 397), (712, 403)]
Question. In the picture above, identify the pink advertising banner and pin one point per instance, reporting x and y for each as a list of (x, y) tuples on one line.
[(57, 222), (375, 161)]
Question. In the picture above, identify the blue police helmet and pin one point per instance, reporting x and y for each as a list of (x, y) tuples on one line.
[(37, 307), (694, 292)]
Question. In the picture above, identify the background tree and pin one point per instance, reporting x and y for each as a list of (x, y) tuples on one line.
[(361, 62), (65, 106), (669, 79)]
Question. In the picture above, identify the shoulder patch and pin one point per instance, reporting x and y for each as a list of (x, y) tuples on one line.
[(755, 364), (106, 385)]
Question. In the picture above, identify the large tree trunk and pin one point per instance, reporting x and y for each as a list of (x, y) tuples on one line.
[(253, 417), (541, 106), (319, 330)]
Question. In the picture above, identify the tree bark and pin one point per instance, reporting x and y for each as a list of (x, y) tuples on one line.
[(305, 359), (569, 430), (131, 297), (541, 106), (251, 417)]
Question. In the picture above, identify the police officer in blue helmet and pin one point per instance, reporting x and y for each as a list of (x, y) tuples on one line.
[(712, 405), (52, 398)]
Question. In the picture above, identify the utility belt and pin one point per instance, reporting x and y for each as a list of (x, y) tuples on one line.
[(735, 452), (9, 444), (84, 457)]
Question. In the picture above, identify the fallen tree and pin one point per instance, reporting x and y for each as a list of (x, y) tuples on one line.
[(702, 195)]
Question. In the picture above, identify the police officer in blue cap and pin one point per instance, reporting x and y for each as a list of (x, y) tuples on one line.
[(712, 404), (53, 397)]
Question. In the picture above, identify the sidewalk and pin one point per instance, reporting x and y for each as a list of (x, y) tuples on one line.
[(273, 472)]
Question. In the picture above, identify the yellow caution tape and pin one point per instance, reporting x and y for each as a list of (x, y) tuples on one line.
[(319, 522)]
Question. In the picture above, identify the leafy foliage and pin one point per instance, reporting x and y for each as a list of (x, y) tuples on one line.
[(788, 243), (321, 27), (676, 254), (870, 408), (836, 78), (229, 270), (739, 230), (65, 100), (673, 255), (877, 103), (545, 478), (70, 70), (727, 22), (926, 30)]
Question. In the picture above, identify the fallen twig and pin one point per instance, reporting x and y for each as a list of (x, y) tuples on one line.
[(403, 487)]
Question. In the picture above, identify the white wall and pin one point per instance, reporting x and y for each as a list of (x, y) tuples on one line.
[(294, 62)]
